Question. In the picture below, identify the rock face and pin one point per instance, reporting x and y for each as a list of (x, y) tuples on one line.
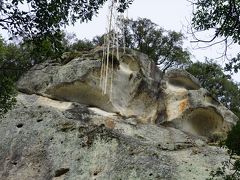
[(192, 108), (152, 126), (136, 80)]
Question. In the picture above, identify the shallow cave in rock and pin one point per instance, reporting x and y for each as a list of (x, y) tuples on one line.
[(83, 93), (184, 82), (204, 121)]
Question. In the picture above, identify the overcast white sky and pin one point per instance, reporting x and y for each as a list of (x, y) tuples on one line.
[(168, 14)]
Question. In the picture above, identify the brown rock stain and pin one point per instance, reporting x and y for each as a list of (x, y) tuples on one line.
[(183, 105), (110, 124)]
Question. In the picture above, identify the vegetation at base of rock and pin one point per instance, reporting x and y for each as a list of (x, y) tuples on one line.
[(233, 140), (7, 77), (7, 95), (232, 143)]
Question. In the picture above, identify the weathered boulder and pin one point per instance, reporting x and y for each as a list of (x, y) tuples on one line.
[(192, 108), (151, 126)]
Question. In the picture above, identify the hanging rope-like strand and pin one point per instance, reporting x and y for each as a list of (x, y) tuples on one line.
[(110, 47)]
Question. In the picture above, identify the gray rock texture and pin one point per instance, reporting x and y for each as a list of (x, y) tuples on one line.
[(151, 126), (47, 139)]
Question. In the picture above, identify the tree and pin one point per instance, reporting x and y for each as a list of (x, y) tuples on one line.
[(7, 90), (220, 15), (233, 65), (233, 163), (164, 47), (82, 45), (40, 21), (42, 18)]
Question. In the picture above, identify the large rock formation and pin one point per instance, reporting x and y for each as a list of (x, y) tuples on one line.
[(136, 84), (152, 126)]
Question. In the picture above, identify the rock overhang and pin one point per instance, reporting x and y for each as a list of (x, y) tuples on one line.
[(138, 89), (192, 108)]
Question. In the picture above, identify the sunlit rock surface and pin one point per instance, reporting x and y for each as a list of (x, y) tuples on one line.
[(152, 126)]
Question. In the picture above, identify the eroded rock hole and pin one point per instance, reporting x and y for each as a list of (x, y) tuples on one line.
[(204, 121), (39, 120), (96, 172), (20, 125)]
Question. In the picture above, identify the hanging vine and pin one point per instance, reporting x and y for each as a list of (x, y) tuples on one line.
[(111, 44)]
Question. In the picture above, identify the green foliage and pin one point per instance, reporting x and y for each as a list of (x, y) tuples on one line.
[(221, 86), (7, 95), (233, 65), (230, 169), (40, 49), (223, 18), (219, 15), (226, 91), (7, 88), (233, 140), (44, 18), (223, 171), (164, 47), (82, 45)]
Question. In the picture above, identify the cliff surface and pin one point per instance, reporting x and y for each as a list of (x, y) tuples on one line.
[(148, 126)]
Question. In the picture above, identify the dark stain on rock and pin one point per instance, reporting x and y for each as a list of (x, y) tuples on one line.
[(61, 172), (130, 77), (66, 127), (78, 112)]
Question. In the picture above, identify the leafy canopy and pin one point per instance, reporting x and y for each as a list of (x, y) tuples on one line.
[(7, 90), (41, 20), (220, 15), (38, 18), (223, 18), (164, 47)]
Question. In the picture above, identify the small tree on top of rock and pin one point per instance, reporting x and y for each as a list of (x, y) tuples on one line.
[(164, 47)]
